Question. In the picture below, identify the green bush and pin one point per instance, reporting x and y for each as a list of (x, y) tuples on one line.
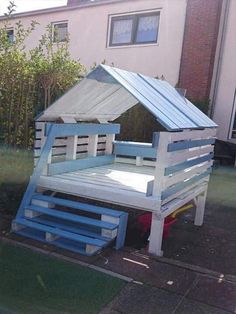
[(30, 80)]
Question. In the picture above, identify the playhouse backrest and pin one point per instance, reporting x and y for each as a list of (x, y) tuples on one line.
[(74, 142)]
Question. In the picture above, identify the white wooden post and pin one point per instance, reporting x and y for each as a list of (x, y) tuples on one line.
[(71, 147), (157, 225), (200, 208), (156, 234), (49, 161), (92, 145), (139, 161), (109, 143)]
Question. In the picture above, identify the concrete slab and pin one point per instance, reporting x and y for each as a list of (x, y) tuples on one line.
[(146, 270), (193, 307), (140, 299), (218, 293)]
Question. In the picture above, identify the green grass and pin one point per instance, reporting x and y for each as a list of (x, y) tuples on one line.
[(33, 283), (222, 187), (16, 166)]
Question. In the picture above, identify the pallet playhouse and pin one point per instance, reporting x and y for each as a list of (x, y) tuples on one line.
[(75, 156)]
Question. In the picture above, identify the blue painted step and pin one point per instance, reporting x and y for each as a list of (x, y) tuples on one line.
[(87, 231), (78, 205), (72, 217), (60, 233), (70, 245)]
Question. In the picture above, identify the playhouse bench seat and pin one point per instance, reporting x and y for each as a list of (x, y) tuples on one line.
[(122, 184)]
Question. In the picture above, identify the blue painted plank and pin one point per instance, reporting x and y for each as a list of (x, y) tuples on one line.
[(135, 149), (189, 144), (180, 186), (121, 232), (72, 217), (155, 139), (187, 164), (36, 174), (59, 232), (65, 244), (68, 226), (81, 129), (79, 164), (78, 205)]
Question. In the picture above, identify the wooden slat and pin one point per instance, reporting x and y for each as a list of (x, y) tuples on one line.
[(177, 157), (78, 164), (148, 163), (124, 198), (186, 174), (189, 144), (135, 149), (182, 185), (63, 142), (62, 150), (187, 164), (192, 135), (81, 129), (78, 205), (176, 203)]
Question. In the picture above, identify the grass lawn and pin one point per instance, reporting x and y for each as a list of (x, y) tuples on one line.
[(16, 166), (34, 283)]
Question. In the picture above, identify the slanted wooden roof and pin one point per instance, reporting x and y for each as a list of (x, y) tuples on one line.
[(107, 92)]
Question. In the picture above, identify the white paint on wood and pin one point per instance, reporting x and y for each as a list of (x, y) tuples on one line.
[(92, 145), (161, 163), (180, 156), (109, 143), (131, 161), (187, 188), (71, 147), (98, 192), (186, 174), (91, 249), (67, 119), (31, 213), (16, 227), (200, 208), (49, 237), (42, 203), (156, 234), (139, 161), (176, 203), (193, 134)]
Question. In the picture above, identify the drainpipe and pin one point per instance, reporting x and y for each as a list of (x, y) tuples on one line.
[(219, 55)]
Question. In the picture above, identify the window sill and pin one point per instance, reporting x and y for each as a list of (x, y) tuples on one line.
[(132, 46)]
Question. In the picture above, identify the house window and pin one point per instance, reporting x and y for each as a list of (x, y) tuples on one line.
[(10, 35), (60, 32), (134, 29)]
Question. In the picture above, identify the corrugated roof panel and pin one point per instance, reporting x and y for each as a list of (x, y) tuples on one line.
[(107, 92)]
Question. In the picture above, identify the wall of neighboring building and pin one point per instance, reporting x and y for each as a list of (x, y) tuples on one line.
[(199, 46), (89, 31), (224, 105)]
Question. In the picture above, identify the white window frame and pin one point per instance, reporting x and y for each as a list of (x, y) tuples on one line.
[(135, 16), (53, 31), (13, 36)]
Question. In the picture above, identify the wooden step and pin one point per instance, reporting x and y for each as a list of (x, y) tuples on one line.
[(88, 231), (57, 232), (72, 217), (78, 205)]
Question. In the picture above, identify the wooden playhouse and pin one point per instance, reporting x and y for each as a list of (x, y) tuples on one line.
[(76, 154)]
